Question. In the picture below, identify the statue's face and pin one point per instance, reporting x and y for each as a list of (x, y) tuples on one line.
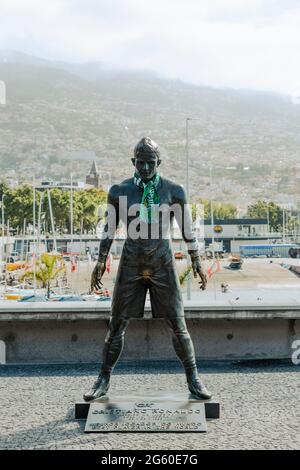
[(146, 165)]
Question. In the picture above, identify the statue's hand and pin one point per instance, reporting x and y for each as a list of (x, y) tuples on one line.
[(198, 271), (99, 270)]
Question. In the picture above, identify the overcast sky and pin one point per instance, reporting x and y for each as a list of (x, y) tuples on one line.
[(224, 43)]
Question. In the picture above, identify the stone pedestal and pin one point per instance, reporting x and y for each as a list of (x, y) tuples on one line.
[(147, 412)]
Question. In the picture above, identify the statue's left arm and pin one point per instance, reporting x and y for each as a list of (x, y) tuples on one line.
[(183, 217)]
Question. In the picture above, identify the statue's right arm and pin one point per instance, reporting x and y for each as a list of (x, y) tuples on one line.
[(111, 223)]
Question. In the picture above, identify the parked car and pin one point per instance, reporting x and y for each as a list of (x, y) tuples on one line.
[(13, 257)]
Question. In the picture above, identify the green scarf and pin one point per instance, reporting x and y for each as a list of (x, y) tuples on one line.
[(150, 197)]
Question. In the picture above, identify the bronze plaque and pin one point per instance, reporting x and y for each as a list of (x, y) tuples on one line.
[(146, 416)]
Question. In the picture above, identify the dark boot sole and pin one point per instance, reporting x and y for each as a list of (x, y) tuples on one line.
[(96, 395), (199, 395)]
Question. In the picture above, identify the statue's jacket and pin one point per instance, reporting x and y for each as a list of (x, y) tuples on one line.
[(147, 260)]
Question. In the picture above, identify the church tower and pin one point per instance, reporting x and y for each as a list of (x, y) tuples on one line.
[(93, 178)]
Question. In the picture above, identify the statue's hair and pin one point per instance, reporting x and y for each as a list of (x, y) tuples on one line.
[(146, 145)]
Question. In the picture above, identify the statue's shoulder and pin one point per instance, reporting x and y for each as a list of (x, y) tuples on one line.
[(114, 191), (126, 185), (177, 191), (121, 189)]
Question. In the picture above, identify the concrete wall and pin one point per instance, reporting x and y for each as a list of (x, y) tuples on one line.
[(81, 340)]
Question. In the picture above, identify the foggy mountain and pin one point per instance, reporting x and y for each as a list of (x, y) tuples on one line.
[(55, 112)]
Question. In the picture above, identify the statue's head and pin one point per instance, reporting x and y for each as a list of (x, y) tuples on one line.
[(146, 158)]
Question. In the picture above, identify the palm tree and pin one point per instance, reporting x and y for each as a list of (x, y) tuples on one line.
[(45, 270), (185, 275)]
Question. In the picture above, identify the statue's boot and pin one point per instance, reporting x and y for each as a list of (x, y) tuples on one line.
[(184, 349), (99, 388), (198, 389)]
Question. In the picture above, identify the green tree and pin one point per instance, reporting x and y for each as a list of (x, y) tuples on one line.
[(263, 209), (46, 269), (86, 203), (60, 201), (18, 204), (221, 210), (185, 275)]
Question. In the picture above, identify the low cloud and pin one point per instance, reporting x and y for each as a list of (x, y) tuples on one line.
[(225, 43)]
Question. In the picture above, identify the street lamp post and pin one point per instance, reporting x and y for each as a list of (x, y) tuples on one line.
[(188, 193), (212, 213), (34, 234), (187, 186), (187, 157), (268, 222), (108, 173), (71, 201)]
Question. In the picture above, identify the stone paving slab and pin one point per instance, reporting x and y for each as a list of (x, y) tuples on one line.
[(260, 406)]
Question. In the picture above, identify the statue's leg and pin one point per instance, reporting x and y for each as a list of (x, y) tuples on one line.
[(114, 343), (184, 349), (183, 345), (166, 302)]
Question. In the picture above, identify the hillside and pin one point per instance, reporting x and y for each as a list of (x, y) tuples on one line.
[(56, 110)]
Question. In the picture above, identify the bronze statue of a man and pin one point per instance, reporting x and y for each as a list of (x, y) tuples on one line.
[(147, 263)]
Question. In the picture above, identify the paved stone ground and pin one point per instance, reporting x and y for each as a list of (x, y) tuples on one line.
[(260, 407)]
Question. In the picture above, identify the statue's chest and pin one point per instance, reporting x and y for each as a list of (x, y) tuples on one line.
[(134, 196), (129, 203)]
